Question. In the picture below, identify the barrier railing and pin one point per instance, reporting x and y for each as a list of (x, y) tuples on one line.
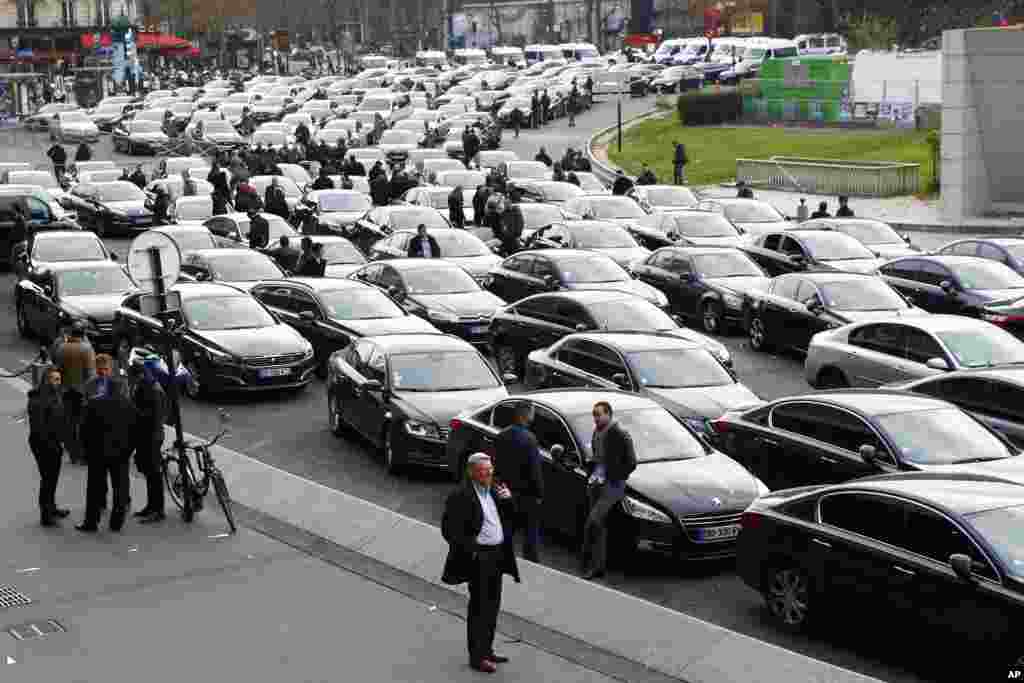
[(831, 176)]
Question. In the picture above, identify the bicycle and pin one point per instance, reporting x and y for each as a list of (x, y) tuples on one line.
[(186, 490)]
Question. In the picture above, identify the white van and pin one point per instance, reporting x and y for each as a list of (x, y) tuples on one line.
[(668, 49), (470, 56), (431, 58), (756, 53), (725, 49), (502, 55), (579, 51), (820, 44), (542, 53)]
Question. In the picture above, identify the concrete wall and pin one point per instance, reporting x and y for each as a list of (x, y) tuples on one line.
[(982, 122)]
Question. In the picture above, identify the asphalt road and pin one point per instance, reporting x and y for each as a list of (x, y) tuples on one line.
[(290, 431)]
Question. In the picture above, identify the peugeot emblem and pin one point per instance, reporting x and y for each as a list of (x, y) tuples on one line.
[(717, 502)]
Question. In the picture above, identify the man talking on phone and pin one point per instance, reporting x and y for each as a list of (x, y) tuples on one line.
[(478, 526)]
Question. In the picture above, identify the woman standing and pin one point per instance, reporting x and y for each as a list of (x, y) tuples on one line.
[(46, 439)]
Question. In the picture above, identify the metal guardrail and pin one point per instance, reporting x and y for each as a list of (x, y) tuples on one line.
[(831, 176), (605, 173)]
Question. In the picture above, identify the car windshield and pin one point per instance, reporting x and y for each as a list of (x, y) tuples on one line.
[(343, 201), (226, 313), (441, 371), (657, 436), (218, 127), (375, 104), (1003, 528), (439, 280), (983, 346), (870, 232), (602, 236), (834, 246), (528, 169), (726, 264), (120, 192), (192, 240), (269, 137), (537, 216), (702, 225), (943, 436), (40, 178), (671, 196), (861, 294), (678, 368), (985, 274), (399, 137), (231, 110), (630, 314), (88, 282), (616, 207), (342, 251), (457, 243), (143, 126), (752, 212), (84, 247), (409, 218), (582, 269), (182, 107), (243, 267), (360, 304), (193, 210)]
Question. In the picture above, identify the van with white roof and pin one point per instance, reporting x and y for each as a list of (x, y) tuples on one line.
[(579, 51), (755, 54), (503, 54), (431, 58), (470, 56), (820, 44), (542, 53)]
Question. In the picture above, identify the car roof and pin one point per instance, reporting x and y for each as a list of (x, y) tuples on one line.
[(700, 251), (558, 254), (830, 277), (199, 290), (964, 495), (581, 401), (225, 252), (584, 296), (629, 341), (96, 264), (946, 259), (872, 402), (1011, 374), (936, 322), (416, 263), (400, 343), (59, 234), (320, 284), (181, 227)]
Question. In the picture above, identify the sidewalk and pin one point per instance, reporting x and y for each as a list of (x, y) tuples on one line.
[(178, 603)]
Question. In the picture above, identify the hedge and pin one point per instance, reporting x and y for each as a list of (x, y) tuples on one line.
[(705, 107)]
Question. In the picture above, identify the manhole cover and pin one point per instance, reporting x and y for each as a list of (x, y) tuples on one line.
[(36, 629), (12, 597)]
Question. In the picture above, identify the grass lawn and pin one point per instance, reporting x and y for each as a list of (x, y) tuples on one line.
[(713, 150)]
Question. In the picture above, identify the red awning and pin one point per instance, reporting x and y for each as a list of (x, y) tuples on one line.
[(182, 52), (161, 41), (640, 39)]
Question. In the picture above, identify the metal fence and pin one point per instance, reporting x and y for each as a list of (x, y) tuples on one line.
[(831, 177)]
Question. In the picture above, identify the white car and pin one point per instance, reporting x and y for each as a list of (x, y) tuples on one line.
[(73, 126)]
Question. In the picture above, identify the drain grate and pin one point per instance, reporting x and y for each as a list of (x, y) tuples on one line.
[(12, 597), (36, 629)]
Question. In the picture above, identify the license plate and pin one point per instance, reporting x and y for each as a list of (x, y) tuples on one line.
[(274, 372), (140, 219), (478, 329), (718, 533)]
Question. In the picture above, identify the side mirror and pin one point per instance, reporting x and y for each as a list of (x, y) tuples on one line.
[(307, 315), (961, 565), (510, 378), (549, 281), (906, 237), (868, 454), (373, 385), (48, 290), (620, 379), (815, 306), (580, 327), (937, 363), (113, 257), (947, 287), (396, 293)]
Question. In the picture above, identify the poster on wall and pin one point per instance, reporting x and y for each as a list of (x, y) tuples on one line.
[(898, 111)]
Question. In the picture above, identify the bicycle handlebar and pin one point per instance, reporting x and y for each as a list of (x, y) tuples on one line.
[(195, 445)]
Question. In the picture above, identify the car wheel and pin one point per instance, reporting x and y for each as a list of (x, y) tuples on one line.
[(507, 360), (389, 453), (24, 329), (832, 378), (711, 315), (194, 388), (788, 597), (334, 417), (758, 335)]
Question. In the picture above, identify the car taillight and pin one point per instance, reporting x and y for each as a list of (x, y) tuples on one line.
[(750, 520), (720, 426), (455, 424)]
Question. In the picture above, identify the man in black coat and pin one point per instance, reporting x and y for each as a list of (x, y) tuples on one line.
[(679, 164), (151, 408), (518, 465), (478, 524), (456, 213), (480, 197), (274, 199), (542, 157), (545, 107), (59, 156), (323, 181), (285, 254), (423, 244), (259, 229), (108, 437), (647, 177), (380, 190)]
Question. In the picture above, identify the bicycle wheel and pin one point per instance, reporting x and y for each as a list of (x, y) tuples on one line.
[(181, 482), (220, 487), (175, 482)]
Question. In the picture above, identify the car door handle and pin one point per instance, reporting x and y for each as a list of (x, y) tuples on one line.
[(830, 461), (769, 442), (823, 544), (904, 571)]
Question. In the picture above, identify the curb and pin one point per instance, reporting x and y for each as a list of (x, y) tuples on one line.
[(972, 229), (602, 170)]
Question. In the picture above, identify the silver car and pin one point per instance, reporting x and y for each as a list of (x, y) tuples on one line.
[(73, 126), (869, 354)]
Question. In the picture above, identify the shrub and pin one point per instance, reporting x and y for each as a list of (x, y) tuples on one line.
[(705, 108)]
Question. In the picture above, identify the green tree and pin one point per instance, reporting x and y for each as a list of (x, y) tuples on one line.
[(871, 32)]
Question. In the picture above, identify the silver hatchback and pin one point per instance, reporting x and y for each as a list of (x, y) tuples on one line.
[(869, 354)]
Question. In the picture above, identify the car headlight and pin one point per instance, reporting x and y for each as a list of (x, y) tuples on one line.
[(637, 510), (722, 354), (442, 316), (307, 353), (732, 300), (762, 488), (423, 430)]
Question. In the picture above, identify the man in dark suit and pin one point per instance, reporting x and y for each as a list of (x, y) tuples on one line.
[(478, 524), (456, 214), (259, 229), (285, 254), (518, 465), (423, 244)]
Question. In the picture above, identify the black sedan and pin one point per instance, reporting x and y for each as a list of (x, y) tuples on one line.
[(709, 284), (438, 291), (108, 208), (681, 375), (964, 285), (796, 307), (239, 267), (684, 498), (336, 210), (457, 246), (58, 246), (540, 321), (381, 221), (550, 191), (877, 236), (604, 237), (229, 341), (549, 270), (993, 395), (140, 136), (838, 435), (89, 291), (400, 391), (331, 312), (1006, 250), (936, 554), (789, 252), (687, 227)]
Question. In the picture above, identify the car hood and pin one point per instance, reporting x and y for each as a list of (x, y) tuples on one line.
[(893, 250), (734, 241), (341, 269), (853, 265), (624, 256), (1010, 468), (756, 229), (341, 217), (705, 402), (477, 266), (1000, 297), (275, 340), (131, 207), (741, 285), (440, 407), (861, 316), (97, 307), (629, 286), (407, 324), (480, 303), (690, 487)]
